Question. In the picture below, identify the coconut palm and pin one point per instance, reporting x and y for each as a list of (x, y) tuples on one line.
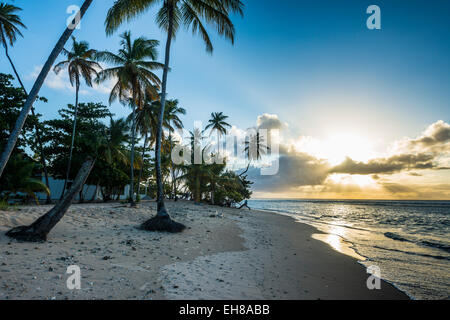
[(171, 14), (172, 115), (9, 30), (146, 122), (116, 135), (172, 112), (133, 71), (254, 148), (217, 123), (80, 65), (37, 86)]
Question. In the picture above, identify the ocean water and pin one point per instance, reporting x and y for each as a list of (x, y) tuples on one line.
[(408, 240)]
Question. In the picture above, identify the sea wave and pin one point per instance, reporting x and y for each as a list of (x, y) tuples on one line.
[(428, 243)]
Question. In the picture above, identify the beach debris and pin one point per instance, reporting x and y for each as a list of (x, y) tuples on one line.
[(217, 215)]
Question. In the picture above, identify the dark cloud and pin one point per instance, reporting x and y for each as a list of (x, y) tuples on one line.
[(295, 169), (437, 133), (396, 188), (302, 171), (415, 174), (389, 165)]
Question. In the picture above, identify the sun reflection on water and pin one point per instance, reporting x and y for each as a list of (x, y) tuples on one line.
[(335, 236)]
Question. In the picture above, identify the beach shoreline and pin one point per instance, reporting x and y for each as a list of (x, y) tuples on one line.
[(224, 254)]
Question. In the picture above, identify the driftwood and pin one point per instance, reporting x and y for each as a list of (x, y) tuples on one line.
[(38, 231), (245, 204)]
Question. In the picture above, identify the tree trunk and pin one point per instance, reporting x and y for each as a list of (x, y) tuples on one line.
[(36, 128), (245, 171), (212, 191), (81, 200), (162, 221), (218, 146), (142, 166), (74, 131), (35, 90), (161, 209), (94, 197), (39, 230), (133, 137), (197, 190), (174, 187)]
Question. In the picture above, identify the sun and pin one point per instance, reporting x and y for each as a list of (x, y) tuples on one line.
[(340, 146), (337, 147)]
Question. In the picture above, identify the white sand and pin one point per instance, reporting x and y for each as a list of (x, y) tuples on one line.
[(244, 255)]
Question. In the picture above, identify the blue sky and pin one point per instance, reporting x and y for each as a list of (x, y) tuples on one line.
[(314, 64)]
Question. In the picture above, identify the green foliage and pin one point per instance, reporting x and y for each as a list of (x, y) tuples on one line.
[(79, 63), (9, 24), (133, 70), (210, 182), (90, 137), (11, 102), (21, 176), (193, 14)]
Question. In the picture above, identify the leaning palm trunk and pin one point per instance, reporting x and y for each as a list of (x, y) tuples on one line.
[(36, 128), (39, 230), (162, 221), (35, 90), (74, 131)]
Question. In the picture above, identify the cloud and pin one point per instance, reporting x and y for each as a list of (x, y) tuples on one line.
[(396, 188), (269, 122), (389, 165), (302, 172), (437, 133), (61, 82), (435, 138), (295, 169)]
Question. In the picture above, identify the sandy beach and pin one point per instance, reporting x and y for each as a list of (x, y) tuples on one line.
[(223, 254)]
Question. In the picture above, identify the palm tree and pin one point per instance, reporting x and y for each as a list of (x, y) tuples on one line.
[(111, 146), (79, 64), (37, 86), (145, 126), (9, 29), (172, 14), (196, 138), (218, 123), (20, 178), (135, 80), (254, 149), (172, 112), (116, 135)]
